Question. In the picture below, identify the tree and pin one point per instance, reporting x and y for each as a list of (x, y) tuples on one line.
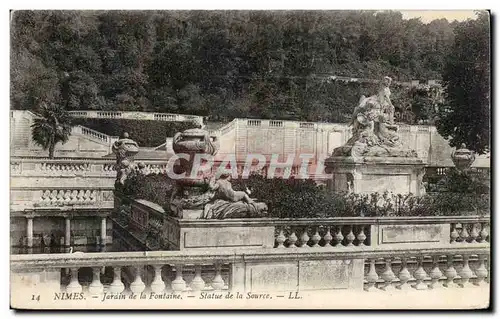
[(53, 126), (466, 118)]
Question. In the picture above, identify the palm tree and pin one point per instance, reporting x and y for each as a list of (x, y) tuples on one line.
[(53, 126)]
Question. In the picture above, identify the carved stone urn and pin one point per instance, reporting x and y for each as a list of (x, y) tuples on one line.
[(463, 158), (188, 197), (192, 142), (124, 149)]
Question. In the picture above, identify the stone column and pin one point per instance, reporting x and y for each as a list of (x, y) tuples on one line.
[(103, 230), (67, 237), (29, 231)]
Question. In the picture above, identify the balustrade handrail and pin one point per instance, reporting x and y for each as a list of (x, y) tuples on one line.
[(126, 114), (77, 160), (57, 261), (332, 221)]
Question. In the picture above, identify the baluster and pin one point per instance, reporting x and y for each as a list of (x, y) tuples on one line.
[(404, 275), (93, 196), (73, 197), (388, 275), (53, 197), (453, 233), (350, 237), (435, 273), (281, 239), (117, 285), (80, 197), (292, 239), (464, 234), (96, 287), (304, 238), (465, 273), (218, 282), (328, 238), (339, 237), (474, 234), (46, 198), (197, 284), (137, 286), (371, 276), (86, 197), (60, 197), (481, 271), (361, 237), (316, 238), (420, 275), (67, 197), (178, 284), (484, 233), (74, 285), (157, 285), (450, 273)]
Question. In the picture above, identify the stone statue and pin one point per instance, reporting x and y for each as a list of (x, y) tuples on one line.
[(224, 190), (374, 132), (208, 197), (124, 149)]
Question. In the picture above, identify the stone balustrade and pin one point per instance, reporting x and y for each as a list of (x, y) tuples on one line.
[(138, 116), (74, 166), (356, 231), (336, 232), (363, 267), (68, 197)]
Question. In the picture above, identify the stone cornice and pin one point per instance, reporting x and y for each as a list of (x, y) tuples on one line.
[(70, 212)]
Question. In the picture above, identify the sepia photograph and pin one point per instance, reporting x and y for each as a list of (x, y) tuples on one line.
[(250, 159)]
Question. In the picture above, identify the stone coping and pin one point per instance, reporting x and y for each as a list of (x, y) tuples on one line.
[(231, 222), (78, 260), (332, 220), (77, 160), (65, 211), (376, 160)]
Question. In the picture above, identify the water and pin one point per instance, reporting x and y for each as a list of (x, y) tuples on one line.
[(121, 243)]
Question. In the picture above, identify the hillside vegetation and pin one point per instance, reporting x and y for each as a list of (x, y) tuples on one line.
[(223, 64)]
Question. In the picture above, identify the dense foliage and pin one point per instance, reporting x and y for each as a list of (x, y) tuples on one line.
[(147, 133), (463, 182), (305, 199), (52, 127), (466, 119), (233, 63)]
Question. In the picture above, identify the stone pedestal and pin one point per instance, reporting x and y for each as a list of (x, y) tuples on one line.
[(208, 234), (400, 175)]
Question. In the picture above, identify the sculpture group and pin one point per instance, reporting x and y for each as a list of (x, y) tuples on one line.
[(205, 197), (374, 132), (213, 197)]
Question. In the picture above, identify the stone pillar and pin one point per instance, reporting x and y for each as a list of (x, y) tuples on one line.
[(29, 232), (103, 230), (67, 237)]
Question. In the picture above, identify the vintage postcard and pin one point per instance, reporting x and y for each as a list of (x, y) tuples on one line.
[(230, 159)]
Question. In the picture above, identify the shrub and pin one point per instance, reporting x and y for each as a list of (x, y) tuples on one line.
[(147, 133), (293, 198)]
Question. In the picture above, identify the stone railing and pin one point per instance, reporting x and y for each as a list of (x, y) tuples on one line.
[(62, 167), (224, 129), (257, 270), (138, 116), (360, 231), (42, 182), (74, 166), (337, 232), (93, 134)]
